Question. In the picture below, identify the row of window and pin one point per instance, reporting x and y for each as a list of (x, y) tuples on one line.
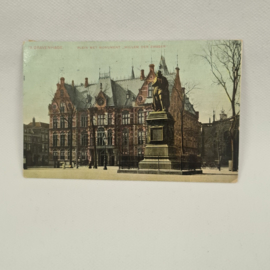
[(83, 154), (36, 148), (101, 138), (101, 120)]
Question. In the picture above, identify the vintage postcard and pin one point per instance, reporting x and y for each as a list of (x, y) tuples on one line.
[(140, 110)]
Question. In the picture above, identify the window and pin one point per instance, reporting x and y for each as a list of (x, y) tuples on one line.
[(83, 121), (100, 135), (55, 154), (68, 154), (110, 119), (69, 122), (125, 137), (43, 147), (62, 154), (140, 152), (125, 118), (69, 139), (55, 139), (109, 137), (140, 137), (83, 154), (62, 139), (84, 138), (62, 122), (54, 122), (61, 93), (91, 139), (101, 118), (62, 107), (140, 117), (150, 90)]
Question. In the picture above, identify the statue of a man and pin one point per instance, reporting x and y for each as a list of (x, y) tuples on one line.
[(161, 96)]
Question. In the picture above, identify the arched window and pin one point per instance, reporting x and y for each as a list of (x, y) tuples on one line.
[(150, 90), (61, 93), (100, 136), (84, 139), (140, 117), (140, 137), (125, 118), (62, 107), (62, 122), (54, 122), (55, 139), (125, 137), (109, 137), (62, 139)]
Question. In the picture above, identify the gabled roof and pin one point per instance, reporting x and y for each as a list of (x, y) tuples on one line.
[(189, 106)]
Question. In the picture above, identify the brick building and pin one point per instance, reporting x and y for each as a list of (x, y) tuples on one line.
[(114, 109), (216, 141), (36, 143)]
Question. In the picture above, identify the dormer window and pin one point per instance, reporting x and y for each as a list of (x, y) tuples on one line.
[(128, 96)]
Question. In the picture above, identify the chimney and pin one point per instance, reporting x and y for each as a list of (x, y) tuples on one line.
[(101, 87), (209, 120), (152, 66), (214, 116), (72, 83), (197, 114), (142, 75), (86, 82), (62, 79), (34, 121), (183, 90), (58, 85)]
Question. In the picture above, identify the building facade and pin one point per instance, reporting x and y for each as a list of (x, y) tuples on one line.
[(110, 116), (36, 143), (216, 139)]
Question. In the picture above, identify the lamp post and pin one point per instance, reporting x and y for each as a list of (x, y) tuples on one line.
[(105, 154)]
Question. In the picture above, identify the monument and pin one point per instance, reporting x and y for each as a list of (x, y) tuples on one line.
[(160, 151)]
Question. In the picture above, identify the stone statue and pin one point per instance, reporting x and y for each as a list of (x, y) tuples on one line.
[(161, 94)]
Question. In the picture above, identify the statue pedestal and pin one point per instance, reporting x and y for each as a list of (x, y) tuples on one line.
[(160, 152)]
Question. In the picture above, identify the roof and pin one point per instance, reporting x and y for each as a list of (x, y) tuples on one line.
[(188, 106), (118, 93), (38, 124)]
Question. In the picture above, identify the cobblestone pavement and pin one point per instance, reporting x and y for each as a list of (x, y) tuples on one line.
[(209, 175)]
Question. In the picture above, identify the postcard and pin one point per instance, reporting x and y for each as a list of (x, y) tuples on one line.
[(132, 110)]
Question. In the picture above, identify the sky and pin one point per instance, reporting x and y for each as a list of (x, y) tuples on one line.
[(44, 63)]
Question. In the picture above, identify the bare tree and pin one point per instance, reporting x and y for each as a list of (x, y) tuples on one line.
[(224, 58)]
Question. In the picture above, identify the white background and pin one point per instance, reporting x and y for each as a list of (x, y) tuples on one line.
[(80, 224)]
